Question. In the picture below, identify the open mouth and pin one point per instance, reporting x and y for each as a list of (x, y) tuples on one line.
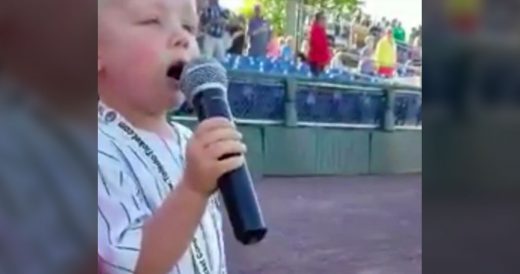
[(175, 70)]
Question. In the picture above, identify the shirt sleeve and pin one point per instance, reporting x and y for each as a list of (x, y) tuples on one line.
[(122, 211)]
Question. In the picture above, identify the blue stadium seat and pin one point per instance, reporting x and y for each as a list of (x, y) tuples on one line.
[(257, 101), (407, 109), (329, 106)]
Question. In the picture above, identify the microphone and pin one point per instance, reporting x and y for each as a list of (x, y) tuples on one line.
[(204, 81)]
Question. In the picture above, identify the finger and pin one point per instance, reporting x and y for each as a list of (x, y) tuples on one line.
[(230, 164), (219, 149), (220, 134), (212, 124)]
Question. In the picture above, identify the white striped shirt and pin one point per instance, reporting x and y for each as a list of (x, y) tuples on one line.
[(131, 188)]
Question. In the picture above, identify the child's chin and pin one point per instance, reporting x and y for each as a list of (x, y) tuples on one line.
[(176, 100)]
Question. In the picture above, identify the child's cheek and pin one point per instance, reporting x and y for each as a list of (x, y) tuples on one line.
[(144, 57)]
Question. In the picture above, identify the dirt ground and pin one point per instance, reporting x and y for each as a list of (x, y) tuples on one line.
[(335, 225)]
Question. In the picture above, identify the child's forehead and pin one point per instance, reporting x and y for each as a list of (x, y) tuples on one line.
[(159, 5)]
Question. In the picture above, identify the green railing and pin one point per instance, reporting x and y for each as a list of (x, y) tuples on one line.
[(292, 83), (290, 147)]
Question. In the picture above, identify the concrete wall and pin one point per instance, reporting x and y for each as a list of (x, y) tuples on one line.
[(315, 151)]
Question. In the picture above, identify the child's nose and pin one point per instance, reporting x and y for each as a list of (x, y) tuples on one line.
[(180, 41)]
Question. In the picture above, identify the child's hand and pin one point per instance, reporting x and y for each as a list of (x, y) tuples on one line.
[(213, 138)]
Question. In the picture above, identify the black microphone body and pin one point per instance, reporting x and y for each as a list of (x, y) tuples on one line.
[(236, 187)]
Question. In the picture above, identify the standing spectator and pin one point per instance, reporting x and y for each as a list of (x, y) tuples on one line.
[(213, 21), (394, 23), (366, 61), (353, 30), (386, 55), (376, 30), (412, 36), (360, 32), (259, 34), (319, 51), (418, 39), (399, 33), (384, 22), (201, 6), (238, 36)]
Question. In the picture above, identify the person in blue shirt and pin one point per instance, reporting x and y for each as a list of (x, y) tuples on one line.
[(259, 33), (287, 52), (366, 63)]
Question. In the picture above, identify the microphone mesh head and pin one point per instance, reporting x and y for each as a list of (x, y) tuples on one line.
[(202, 73)]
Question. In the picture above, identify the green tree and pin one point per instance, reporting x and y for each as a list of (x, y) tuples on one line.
[(336, 6), (247, 8), (275, 10)]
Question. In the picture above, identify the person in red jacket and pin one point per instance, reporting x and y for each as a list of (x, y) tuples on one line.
[(319, 52)]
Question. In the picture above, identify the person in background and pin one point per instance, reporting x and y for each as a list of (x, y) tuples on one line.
[(399, 33), (366, 61), (286, 48), (273, 47), (340, 60), (259, 33), (393, 24), (384, 22), (354, 25), (376, 30), (304, 51), (418, 39), (319, 52), (238, 36), (213, 20), (413, 34), (361, 30), (201, 7), (385, 55)]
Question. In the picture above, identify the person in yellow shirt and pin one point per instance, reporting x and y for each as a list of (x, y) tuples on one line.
[(385, 55)]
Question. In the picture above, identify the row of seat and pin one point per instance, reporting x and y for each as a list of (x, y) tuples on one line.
[(279, 66)]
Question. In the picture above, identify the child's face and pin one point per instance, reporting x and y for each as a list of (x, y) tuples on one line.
[(142, 47)]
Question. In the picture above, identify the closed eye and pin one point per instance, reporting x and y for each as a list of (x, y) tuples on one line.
[(151, 21), (189, 28)]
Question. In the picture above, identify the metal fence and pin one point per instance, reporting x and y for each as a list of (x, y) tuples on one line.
[(257, 98)]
